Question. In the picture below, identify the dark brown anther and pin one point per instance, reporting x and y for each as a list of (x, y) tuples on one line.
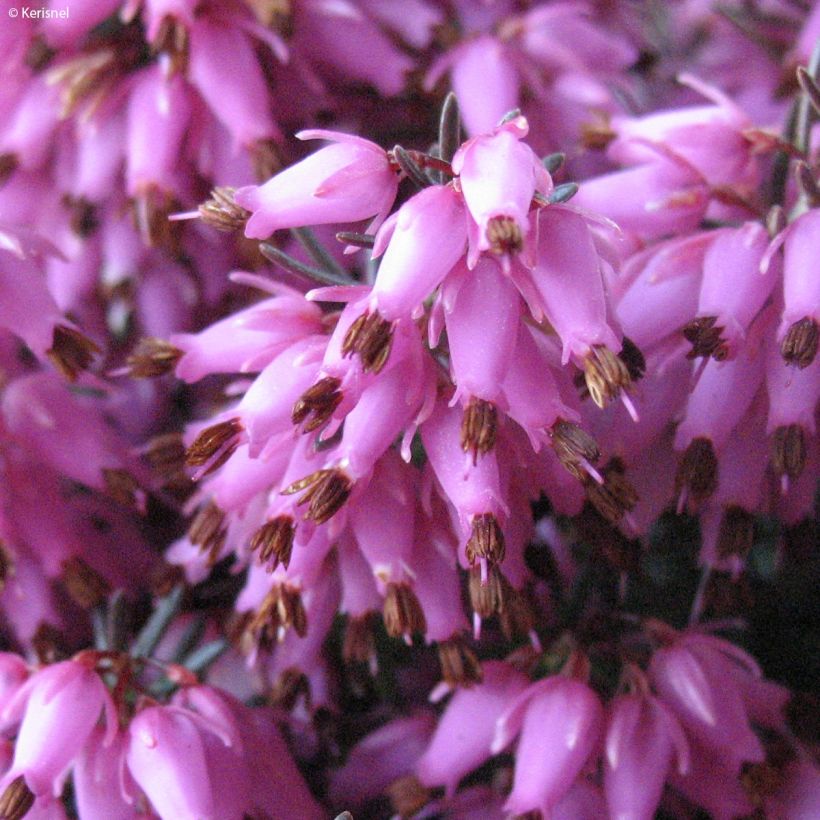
[(633, 358), (517, 616), (6, 565), (359, 644), (407, 796), (16, 800), (479, 427), (317, 404), (788, 453), (172, 39), (274, 541), (615, 497), (736, 533), (291, 685), (86, 77), (84, 584), (152, 357), (222, 212), (799, 345), (371, 337), (39, 54), (151, 209), (8, 165), (760, 781), (402, 612), (265, 158), (207, 529), (597, 135), (504, 235), (706, 338), (71, 352), (166, 454), (49, 644), (325, 493), (486, 599), (121, 486), (273, 14), (574, 447), (606, 374), (214, 444), (459, 664), (280, 610), (486, 540), (83, 215), (697, 471)]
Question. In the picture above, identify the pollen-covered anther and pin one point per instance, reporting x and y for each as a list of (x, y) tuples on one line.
[(479, 427), (325, 493), (504, 235), (286, 690), (84, 584), (371, 337), (152, 357), (71, 352), (280, 610), (633, 358), (698, 470), (606, 374), (222, 212), (788, 453), (150, 209), (706, 338), (487, 594), (317, 404), (736, 532), (16, 800), (407, 796), (615, 497), (486, 540), (207, 529), (166, 455), (123, 488), (214, 445), (799, 345), (273, 541), (402, 611), (575, 448), (459, 664), (359, 644)]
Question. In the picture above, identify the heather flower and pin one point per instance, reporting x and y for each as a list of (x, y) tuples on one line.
[(347, 181), (58, 708), (560, 722)]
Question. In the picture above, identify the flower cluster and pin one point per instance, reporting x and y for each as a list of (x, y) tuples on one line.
[(409, 409)]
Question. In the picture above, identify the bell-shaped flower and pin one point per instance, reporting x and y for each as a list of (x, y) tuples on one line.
[(499, 175), (347, 181), (560, 721), (464, 734), (643, 737), (59, 707)]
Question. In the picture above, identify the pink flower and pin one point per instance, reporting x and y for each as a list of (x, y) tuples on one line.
[(560, 721), (59, 705), (101, 783), (347, 181), (464, 734)]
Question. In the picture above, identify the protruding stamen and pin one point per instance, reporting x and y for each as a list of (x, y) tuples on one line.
[(479, 427), (124, 488), (698, 471), (166, 455), (84, 584), (788, 453), (274, 541), (222, 212), (615, 497), (152, 357), (799, 345), (359, 644), (459, 664), (280, 610), (83, 215), (6, 565), (706, 338), (207, 529), (317, 404), (214, 446), (16, 800), (286, 690), (633, 358), (736, 533), (407, 796), (265, 158), (71, 351), (504, 235), (402, 612), (151, 210), (606, 374), (325, 493), (486, 540), (172, 39), (575, 448), (371, 337)]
